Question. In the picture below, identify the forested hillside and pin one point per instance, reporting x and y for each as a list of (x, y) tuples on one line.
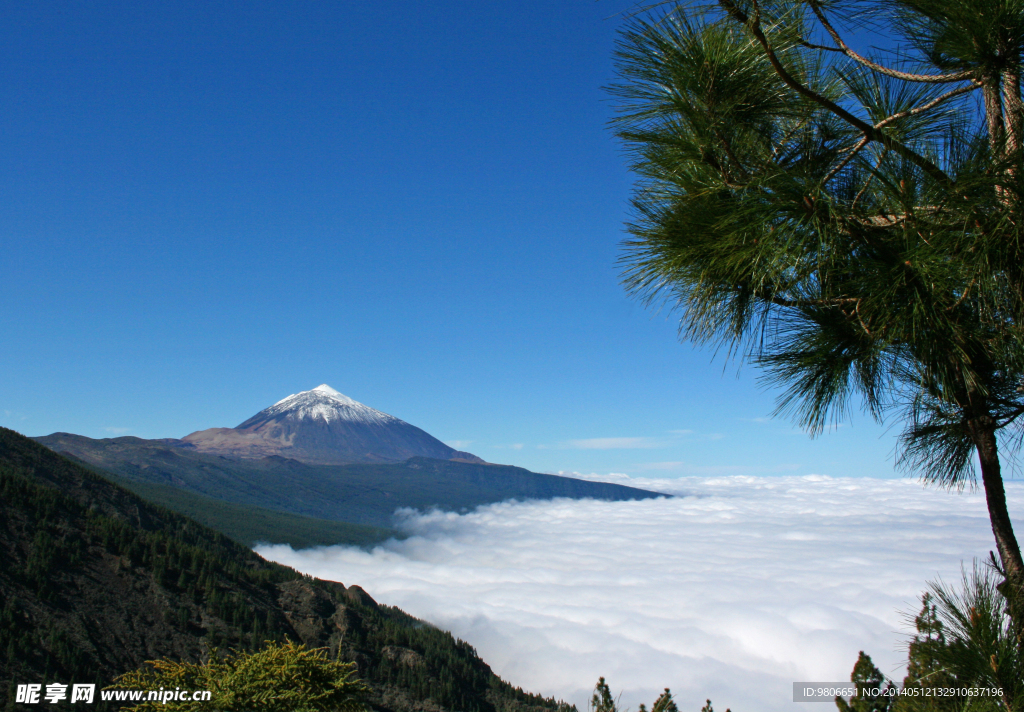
[(95, 580)]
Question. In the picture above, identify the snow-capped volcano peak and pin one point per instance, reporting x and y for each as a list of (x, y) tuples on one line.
[(322, 403), (323, 426)]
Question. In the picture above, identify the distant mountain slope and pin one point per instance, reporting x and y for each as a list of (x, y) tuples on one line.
[(95, 580), (249, 525), (323, 426), (358, 494)]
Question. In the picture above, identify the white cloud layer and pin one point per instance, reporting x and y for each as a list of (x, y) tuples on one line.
[(733, 592)]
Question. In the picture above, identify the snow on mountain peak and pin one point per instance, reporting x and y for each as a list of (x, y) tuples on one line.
[(325, 403), (328, 391)]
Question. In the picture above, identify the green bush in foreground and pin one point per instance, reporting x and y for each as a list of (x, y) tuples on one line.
[(280, 677)]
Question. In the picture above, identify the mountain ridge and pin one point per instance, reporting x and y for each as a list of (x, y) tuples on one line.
[(361, 494)]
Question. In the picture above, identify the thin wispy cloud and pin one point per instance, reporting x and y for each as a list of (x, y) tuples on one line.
[(672, 437), (733, 590), (458, 444), (669, 465), (614, 444), (689, 469), (691, 435), (117, 431)]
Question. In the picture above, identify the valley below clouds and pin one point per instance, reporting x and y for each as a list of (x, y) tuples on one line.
[(731, 590)]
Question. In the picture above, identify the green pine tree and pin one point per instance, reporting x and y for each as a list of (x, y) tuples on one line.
[(872, 689), (664, 703), (925, 668), (708, 708), (602, 700), (853, 224)]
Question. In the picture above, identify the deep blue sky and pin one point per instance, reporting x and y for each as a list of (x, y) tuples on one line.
[(208, 206)]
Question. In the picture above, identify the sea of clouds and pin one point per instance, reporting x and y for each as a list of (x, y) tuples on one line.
[(733, 589)]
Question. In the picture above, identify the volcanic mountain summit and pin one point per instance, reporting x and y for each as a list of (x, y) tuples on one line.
[(325, 427)]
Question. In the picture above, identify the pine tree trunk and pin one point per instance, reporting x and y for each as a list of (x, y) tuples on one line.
[(984, 436), (1013, 109), (994, 115)]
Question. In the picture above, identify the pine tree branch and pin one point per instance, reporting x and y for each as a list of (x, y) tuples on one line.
[(892, 219), (896, 117), (727, 147), (895, 73), (963, 296), (811, 45), (787, 137), (807, 303), (871, 177), (810, 302), (975, 84), (754, 24), (849, 157), (1010, 418), (799, 303)]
